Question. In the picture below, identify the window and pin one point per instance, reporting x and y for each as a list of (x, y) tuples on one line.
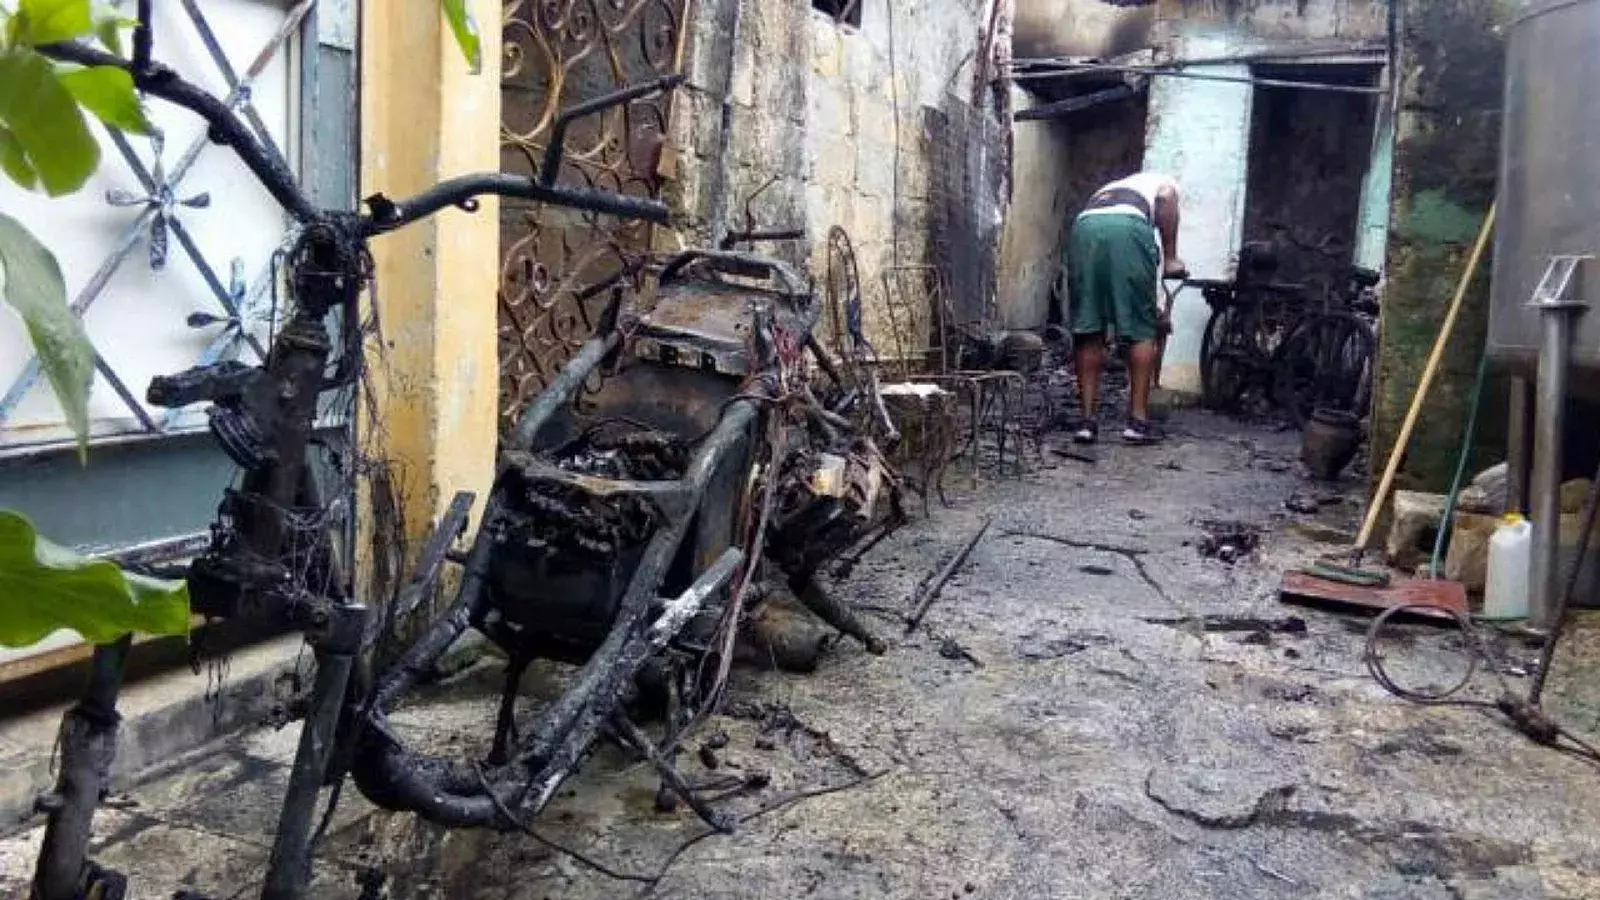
[(844, 12)]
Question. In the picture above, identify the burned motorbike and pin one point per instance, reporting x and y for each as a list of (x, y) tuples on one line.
[(626, 529)]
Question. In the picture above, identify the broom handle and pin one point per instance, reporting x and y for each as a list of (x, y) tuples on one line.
[(1371, 521)]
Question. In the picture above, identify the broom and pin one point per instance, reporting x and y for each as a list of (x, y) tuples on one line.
[(1333, 581)]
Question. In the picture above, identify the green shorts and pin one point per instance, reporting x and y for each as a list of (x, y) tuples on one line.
[(1112, 265)]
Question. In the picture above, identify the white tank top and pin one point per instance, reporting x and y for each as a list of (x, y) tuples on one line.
[(1145, 184)]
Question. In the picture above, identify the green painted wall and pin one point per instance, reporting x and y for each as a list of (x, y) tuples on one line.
[(1445, 160)]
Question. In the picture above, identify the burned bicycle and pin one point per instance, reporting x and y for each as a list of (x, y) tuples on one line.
[(622, 532)]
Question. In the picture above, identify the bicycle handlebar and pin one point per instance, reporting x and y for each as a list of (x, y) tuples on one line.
[(225, 128)]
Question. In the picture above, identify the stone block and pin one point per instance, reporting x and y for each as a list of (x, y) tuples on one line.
[(1487, 492), (827, 53), (875, 169), (875, 117), (831, 162), (866, 70), (742, 89), (1467, 559), (1414, 522), (829, 109), (780, 90), (872, 223), (827, 206)]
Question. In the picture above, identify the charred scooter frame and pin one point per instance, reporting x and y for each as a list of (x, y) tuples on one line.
[(262, 562), (624, 528)]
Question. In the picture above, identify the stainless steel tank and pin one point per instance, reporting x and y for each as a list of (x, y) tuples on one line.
[(1549, 179)]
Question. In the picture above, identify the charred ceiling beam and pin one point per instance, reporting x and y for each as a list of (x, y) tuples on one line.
[(1071, 105), (1068, 71)]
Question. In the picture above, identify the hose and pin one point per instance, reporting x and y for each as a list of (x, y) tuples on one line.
[(1447, 519)]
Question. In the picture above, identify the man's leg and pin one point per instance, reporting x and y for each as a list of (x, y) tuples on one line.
[(1089, 355), (1086, 271), (1141, 373)]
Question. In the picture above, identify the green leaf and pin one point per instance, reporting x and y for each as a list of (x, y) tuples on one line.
[(43, 116), (34, 288), (14, 160), (45, 587), (108, 28), (49, 21), (107, 91), (465, 28)]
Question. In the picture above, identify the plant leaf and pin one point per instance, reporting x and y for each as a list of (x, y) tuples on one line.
[(34, 288), (465, 28), (14, 160), (49, 21), (43, 116), (46, 587), (108, 29), (107, 91)]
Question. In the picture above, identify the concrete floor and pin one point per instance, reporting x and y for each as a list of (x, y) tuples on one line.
[(1103, 744)]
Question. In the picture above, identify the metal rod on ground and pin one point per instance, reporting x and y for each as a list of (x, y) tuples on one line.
[(1375, 507), (930, 593)]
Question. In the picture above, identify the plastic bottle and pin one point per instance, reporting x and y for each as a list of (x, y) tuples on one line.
[(1505, 593)]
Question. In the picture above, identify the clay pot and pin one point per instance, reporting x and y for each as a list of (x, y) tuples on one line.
[(1329, 442)]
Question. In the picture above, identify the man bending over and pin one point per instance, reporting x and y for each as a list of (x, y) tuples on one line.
[(1114, 265)]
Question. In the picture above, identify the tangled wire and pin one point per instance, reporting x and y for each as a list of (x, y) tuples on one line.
[(1525, 713)]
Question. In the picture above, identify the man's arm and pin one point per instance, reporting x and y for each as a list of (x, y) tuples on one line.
[(1167, 224)]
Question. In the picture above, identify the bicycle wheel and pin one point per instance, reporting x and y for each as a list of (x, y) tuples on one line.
[(1325, 364), (1221, 376)]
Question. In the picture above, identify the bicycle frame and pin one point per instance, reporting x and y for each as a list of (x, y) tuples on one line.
[(263, 417)]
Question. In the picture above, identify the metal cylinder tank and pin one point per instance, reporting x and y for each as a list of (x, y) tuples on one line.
[(1549, 179)]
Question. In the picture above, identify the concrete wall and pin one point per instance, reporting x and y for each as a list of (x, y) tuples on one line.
[(1030, 250), (1200, 135), (1284, 20), (422, 120), (832, 113), (1445, 169)]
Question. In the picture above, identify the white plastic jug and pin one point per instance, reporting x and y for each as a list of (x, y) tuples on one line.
[(1505, 593)]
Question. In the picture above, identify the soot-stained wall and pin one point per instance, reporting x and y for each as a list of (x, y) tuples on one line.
[(832, 116), (1445, 169), (1309, 153)]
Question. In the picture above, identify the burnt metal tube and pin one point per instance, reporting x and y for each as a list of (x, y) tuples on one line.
[(560, 391), (558, 130), (88, 742), (223, 126), (289, 867)]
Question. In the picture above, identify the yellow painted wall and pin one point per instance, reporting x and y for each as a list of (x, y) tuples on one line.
[(426, 117)]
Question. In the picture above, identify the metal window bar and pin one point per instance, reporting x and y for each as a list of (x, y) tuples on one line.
[(158, 210)]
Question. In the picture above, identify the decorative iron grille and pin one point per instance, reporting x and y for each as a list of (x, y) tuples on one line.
[(558, 53)]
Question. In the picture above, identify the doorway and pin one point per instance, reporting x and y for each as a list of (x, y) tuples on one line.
[(1308, 160)]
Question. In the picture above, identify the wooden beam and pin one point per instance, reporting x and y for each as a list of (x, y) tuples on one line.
[(1071, 105)]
